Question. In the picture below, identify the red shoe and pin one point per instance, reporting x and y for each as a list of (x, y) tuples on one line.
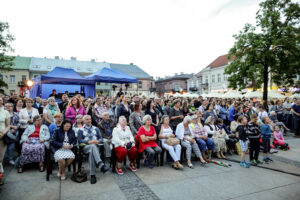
[(119, 171), (132, 167)]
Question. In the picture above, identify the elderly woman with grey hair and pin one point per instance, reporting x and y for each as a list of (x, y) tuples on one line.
[(50, 110), (34, 140), (184, 133)]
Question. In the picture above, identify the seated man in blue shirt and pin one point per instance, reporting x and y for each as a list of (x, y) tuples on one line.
[(90, 137), (106, 127)]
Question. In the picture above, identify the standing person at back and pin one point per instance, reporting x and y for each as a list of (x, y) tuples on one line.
[(64, 103), (74, 108), (150, 110), (123, 108), (176, 115), (296, 117)]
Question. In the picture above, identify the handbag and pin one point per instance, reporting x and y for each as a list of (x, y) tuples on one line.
[(172, 141), (80, 176)]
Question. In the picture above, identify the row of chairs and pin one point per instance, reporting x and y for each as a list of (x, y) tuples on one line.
[(79, 157)]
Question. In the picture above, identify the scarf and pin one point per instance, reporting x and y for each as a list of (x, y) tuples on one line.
[(52, 109)]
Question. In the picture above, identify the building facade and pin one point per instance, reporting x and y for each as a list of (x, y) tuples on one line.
[(176, 83), (213, 77), (20, 73)]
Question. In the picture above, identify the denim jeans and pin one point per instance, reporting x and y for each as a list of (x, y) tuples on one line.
[(10, 151)]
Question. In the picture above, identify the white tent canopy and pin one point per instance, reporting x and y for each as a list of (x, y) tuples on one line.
[(254, 94), (296, 95), (274, 94), (232, 94), (214, 94)]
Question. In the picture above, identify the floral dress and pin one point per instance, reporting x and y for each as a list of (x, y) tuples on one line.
[(64, 153)]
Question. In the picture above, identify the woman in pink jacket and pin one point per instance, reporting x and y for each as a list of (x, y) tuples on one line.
[(74, 108)]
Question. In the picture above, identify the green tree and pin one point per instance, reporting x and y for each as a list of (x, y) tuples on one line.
[(6, 62), (269, 49)]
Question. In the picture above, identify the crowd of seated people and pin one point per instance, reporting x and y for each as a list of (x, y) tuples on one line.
[(129, 126)]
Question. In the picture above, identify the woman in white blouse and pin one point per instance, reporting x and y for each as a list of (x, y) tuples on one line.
[(124, 143), (217, 135), (165, 133), (26, 117)]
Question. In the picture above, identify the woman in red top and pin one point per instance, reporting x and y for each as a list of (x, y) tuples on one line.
[(147, 137)]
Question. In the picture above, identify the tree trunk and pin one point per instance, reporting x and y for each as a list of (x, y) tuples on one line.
[(266, 80)]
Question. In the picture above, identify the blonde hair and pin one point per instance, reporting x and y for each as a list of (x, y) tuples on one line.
[(146, 118)]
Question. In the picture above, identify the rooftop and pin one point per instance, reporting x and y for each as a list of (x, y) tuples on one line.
[(21, 62), (132, 70), (220, 61)]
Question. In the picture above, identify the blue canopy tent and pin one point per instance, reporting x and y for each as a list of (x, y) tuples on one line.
[(61, 79), (108, 75)]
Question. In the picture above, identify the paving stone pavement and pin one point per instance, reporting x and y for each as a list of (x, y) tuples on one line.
[(133, 187)]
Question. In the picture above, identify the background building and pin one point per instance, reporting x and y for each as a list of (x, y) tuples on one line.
[(29, 68), (176, 83), (213, 77), (20, 73)]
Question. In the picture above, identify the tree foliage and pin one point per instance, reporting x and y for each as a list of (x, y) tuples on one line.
[(6, 62), (271, 48)]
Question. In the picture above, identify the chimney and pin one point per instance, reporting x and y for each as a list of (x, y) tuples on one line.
[(131, 63), (73, 58), (56, 57), (181, 73), (176, 74), (93, 60)]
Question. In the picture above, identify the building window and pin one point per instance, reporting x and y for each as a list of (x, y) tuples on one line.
[(1, 77), (206, 79), (213, 78), (219, 78), (12, 79), (49, 67), (24, 77), (140, 84)]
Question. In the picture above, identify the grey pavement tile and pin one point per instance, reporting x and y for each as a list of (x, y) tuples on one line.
[(30, 189), (184, 189), (159, 174), (291, 192), (110, 195), (29, 174), (265, 195), (228, 185), (266, 179), (104, 183)]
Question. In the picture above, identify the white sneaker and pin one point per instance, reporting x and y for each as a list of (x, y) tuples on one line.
[(12, 162)]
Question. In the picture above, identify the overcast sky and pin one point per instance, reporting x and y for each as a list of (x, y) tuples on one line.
[(161, 36)]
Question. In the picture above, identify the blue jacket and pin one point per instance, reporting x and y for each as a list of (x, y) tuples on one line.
[(265, 131), (231, 113), (223, 113), (58, 137), (52, 128)]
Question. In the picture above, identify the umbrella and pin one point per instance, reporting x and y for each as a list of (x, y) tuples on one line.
[(253, 94)]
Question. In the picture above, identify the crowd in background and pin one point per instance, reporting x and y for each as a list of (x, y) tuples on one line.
[(132, 125)]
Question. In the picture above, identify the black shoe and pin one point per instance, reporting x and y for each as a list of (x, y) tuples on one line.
[(93, 179), (104, 169)]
